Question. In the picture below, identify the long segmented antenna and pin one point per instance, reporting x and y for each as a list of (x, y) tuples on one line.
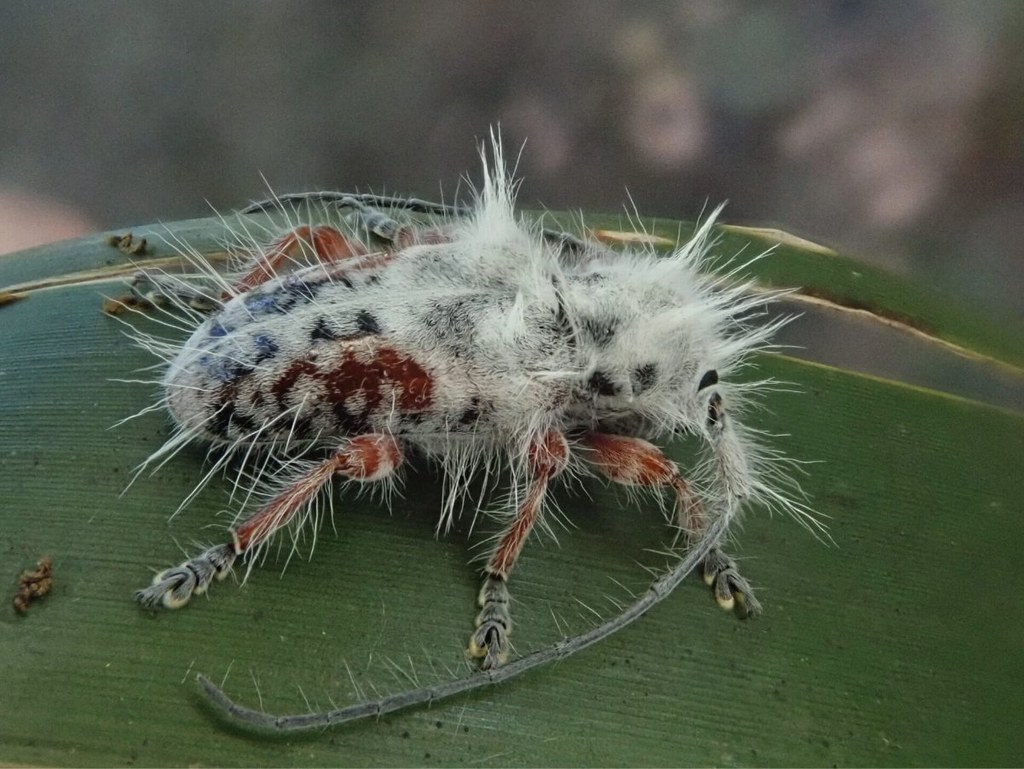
[(656, 592), (360, 200)]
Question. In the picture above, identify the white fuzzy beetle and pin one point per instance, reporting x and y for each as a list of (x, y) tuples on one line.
[(482, 342)]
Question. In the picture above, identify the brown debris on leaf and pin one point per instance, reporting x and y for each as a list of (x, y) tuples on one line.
[(128, 244), (33, 584)]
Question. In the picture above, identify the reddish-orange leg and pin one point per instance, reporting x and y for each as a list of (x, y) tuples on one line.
[(305, 245), (371, 457), (327, 244), (635, 462), (548, 455)]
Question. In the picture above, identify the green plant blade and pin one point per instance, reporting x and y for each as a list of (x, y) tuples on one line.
[(898, 645)]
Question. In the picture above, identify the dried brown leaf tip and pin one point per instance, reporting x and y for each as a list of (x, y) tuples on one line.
[(618, 238), (33, 584), (128, 243), (9, 297)]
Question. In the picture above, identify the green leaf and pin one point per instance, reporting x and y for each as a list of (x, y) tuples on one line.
[(900, 644)]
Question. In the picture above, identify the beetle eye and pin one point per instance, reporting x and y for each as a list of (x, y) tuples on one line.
[(710, 378)]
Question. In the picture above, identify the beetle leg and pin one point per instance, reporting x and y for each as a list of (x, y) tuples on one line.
[(547, 456), (370, 457), (325, 244), (635, 462)]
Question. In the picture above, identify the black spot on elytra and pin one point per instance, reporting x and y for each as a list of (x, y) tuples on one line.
[(600, 332), (709, 378), (226, 420), (367, 322), (243, 423), (279, 301), (223, 370), (217, 329), (322, 331), (349, 422), (220, 421), (407, 420), (265, 348), (471, 415), (601, 384), (302, 289), (644, 377), (302, 426), (264, 304)]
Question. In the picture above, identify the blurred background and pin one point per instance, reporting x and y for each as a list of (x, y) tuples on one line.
[(890, 130)]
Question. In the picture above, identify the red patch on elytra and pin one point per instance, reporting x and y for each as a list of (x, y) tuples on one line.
[(357, 371), (413, 387)]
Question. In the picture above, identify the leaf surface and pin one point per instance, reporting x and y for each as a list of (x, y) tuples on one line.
[(898, 645)]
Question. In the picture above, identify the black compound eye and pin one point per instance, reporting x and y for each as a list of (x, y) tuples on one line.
[(710, 378)]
